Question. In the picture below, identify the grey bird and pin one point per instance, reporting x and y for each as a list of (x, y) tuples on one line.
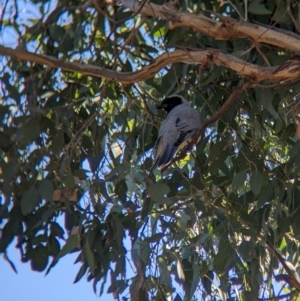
[(176, 131)]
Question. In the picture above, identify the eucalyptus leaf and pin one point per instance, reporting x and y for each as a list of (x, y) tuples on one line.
[(46, 190), (157, 191), (256, 7), (30, 200), (239, 179), (69, 246), (256, 182)]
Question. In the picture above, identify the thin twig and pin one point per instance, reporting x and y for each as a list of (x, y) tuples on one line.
[(2, 15), (291, 15), (237, 11)]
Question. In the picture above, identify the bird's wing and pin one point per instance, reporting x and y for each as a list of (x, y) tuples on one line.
[(187, 124), (164, 151)]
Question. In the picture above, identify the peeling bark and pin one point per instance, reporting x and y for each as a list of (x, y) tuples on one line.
[(288, 71), (224, 29)]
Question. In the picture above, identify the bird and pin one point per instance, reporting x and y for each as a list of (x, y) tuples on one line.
[(176, 131)]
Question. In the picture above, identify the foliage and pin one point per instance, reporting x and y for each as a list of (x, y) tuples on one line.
[(221, 223)]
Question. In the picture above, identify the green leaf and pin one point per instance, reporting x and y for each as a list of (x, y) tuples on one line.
[(135, 251), (89, 257), (145, 251), (81, 272), (39, 239), (53, 245), (57, 32), (256, 182), (70, 245), (245, 249), (58, 142), (224, 257), (31, 129), (5, 257), (164, 271), (46, 190), (6, 237), (57, 230), (117, 285), (255, 7), (264, 196), (216, 150), (48, 214), (29, 200), (120, 268), (69, 182), (5, 142), (39, 259), (239, 179), (188, 275), (157, 191), (121, 190)]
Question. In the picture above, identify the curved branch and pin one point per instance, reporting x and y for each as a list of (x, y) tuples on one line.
[(287, 71), (225, 29)]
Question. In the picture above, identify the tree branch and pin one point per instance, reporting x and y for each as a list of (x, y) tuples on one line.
[(224, 29), (210, 121), (193, 56)]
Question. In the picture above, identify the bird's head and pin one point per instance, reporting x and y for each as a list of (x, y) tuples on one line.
[(170, 102)]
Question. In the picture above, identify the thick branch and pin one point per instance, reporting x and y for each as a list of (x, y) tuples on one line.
[(288, 71), (225, 29)]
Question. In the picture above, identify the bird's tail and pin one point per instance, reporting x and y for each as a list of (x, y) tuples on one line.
[(164, 157)]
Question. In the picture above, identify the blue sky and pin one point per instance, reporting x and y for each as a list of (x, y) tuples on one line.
[(29, 285), (58, 285)]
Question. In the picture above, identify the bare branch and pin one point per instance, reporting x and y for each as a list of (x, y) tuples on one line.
[(287, 71), (225, 29)]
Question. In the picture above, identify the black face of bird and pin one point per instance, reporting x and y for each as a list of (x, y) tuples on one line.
[(170, 103)]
